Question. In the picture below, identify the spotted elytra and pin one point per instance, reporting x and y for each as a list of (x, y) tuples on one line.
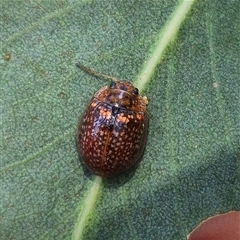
[(112, 132)]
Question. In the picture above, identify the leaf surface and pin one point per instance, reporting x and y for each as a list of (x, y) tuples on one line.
[(191, 163)]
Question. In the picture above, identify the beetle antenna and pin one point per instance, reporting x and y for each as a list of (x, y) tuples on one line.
[(96, 74)]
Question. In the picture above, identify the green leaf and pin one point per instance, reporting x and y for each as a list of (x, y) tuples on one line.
[(191, 163)]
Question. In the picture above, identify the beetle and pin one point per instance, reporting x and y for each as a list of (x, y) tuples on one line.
[(112, 131)]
